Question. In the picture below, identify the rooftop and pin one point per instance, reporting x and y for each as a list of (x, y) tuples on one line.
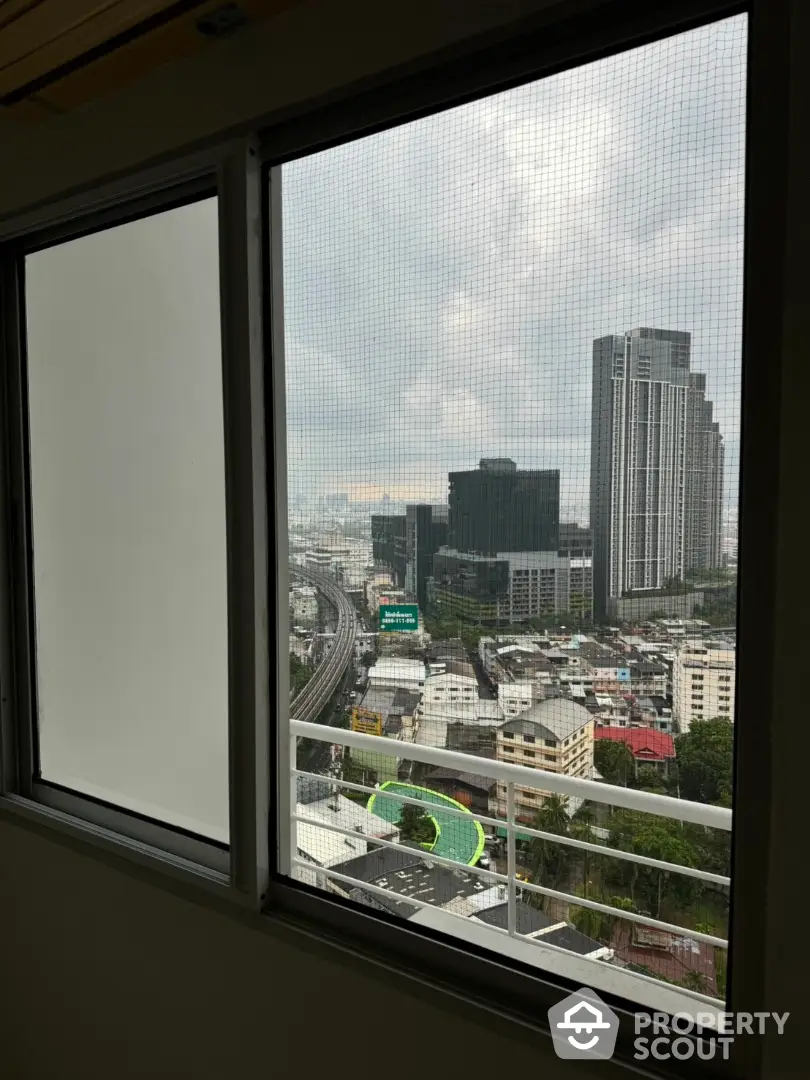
[(475, 780), (534, 923), (554, 718), (346, 814), (391, 703), (647, 744), (455, 890), (405, 873), (393, 668)]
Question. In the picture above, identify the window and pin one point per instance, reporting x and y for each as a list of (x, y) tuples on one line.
[(434, 245), (508, 330), (127, 497)]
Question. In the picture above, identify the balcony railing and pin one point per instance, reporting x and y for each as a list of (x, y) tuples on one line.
[(508, 941)]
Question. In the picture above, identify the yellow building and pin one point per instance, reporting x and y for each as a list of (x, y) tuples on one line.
[(555, 735)]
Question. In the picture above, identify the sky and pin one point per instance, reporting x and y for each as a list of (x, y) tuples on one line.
[(444, 280)]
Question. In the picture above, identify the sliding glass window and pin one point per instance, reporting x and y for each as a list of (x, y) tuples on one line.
[(512, 340), (124, 423)]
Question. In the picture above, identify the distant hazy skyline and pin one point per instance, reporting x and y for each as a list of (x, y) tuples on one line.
[(444, 280)]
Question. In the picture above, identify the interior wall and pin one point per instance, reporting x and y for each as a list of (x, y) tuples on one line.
[(104, 976)]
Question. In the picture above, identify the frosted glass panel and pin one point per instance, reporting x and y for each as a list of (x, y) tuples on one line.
[(128, 509)]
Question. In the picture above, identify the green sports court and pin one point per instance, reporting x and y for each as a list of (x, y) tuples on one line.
[(458, 838)]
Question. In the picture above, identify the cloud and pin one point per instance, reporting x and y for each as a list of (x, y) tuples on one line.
[(444, 280)]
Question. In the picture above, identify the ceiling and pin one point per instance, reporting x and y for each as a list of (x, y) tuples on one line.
[(58, 54)]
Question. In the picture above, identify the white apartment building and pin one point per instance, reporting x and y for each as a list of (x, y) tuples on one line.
[(516, 697), (703, 682), (383, 593), (452, 715), (375, 583), (555, 735)]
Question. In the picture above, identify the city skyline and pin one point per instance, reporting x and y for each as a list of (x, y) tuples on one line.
[(444, 280)]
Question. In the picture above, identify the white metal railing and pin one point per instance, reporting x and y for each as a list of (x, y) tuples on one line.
[(513, 776)]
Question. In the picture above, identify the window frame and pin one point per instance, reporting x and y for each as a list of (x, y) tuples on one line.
[(238, 871), (249, 212), (336, 124)]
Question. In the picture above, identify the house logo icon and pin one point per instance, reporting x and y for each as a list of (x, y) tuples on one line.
[(583, 1026)]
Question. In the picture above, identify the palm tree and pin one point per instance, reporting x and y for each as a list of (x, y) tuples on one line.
[(553, 815), (580, 829), (549, 860)]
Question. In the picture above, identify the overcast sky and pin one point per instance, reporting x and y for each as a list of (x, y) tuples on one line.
[(444, 280)]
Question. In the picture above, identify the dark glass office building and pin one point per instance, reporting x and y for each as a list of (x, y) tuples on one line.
[(388, 544), (500, 508), (425, 533)]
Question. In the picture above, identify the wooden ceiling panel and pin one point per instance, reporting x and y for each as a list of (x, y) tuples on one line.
[(57, 31), (70, 29)]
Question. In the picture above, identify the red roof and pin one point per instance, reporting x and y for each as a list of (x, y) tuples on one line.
[(647, 744)]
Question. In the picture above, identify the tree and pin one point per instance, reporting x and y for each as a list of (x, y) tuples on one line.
[(614, 760), (704, 757), (594, 924), (693, 980), (300, 674), (648, 778), (415, 826), (549, 861), (599, 924), (661, 841), (580, 829), (657, 838)]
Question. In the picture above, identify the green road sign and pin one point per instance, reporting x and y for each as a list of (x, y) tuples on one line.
[(396, 618)]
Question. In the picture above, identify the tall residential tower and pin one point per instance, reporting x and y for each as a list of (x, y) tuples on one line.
[(656, 465)]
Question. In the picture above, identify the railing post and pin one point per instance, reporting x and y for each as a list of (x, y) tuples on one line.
[(511, 861), (293, 807)]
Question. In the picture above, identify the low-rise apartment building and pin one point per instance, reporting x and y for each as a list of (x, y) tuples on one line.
[(453, 716), (555, 735), (703, 682)]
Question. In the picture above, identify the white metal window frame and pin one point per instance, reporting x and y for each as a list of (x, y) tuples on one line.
[(255, 432)]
